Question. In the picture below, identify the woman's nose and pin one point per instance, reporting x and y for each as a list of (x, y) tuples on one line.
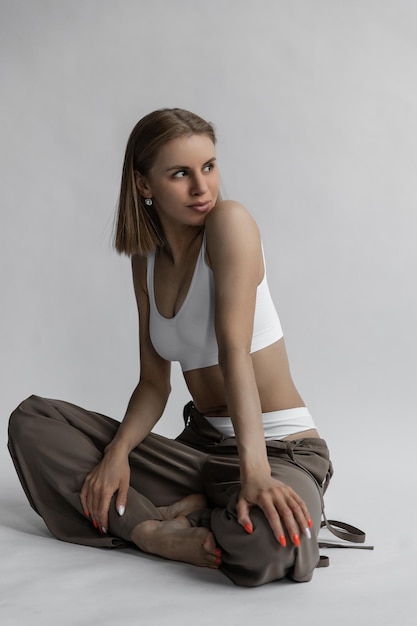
[(199, 185)]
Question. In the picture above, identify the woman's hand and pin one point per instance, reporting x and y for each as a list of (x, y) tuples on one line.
[(281, 506), (110, 475)]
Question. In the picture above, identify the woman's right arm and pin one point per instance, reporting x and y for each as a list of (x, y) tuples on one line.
[(145, 407)]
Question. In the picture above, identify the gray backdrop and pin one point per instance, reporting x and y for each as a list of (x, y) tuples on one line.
[(315, 107)]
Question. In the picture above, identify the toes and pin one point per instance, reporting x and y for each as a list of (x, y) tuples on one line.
[(213, 552), (209, 545), (215, 562)]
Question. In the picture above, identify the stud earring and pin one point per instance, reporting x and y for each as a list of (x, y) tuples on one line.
[(148, 201)]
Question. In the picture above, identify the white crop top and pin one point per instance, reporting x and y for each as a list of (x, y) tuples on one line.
[(189, 337)]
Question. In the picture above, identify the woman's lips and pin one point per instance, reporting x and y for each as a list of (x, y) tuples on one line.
[(201, 207)]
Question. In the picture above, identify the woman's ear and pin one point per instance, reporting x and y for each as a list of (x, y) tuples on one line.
[(142, 185)]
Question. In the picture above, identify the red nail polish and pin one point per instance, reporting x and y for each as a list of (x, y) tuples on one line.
[(86, 513), (282, 541), (248, 528), (218, 552), (217, 561), (296, 540), (310, 523), (95, 523)]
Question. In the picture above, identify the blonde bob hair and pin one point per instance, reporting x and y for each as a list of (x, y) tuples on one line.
[(138, 229)]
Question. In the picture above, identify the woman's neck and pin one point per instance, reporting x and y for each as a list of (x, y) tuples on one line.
[(180, 244)]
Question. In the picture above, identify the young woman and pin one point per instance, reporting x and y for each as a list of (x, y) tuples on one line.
[(241, 487)]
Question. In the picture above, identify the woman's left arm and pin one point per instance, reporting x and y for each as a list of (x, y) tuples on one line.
[(235, 256)]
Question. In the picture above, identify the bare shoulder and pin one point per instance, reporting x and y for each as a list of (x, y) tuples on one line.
[(229, 211), (233, 238), (230, 219)]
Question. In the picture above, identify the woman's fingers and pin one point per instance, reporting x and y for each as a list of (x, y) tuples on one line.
[(93, 502), (122, 497), (105, 479), (243, 517), (103, 510), (106, 495), (86, 497), (292, 513), (301, 515), (289, 521), (92, 499), (101, 502), (285, 511)]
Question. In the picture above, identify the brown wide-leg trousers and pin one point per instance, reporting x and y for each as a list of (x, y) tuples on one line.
[(55, 444)]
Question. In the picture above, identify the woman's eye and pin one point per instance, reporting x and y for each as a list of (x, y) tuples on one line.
[(181, 173)]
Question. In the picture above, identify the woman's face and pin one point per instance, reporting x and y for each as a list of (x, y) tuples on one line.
[(183, 182)]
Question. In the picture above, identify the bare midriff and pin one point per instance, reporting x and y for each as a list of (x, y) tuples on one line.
[(275, 385)]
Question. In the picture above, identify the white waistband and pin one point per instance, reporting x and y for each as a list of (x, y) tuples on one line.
[(277, 424)]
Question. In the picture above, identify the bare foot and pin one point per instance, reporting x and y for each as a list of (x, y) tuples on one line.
[(178, 541), (194, 502)]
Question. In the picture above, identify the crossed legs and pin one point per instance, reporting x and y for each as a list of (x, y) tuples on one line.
[(54, 444)]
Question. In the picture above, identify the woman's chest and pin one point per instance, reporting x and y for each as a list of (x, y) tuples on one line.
[(171, 286)]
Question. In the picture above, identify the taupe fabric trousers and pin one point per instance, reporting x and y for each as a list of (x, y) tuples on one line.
[(54, 444)]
